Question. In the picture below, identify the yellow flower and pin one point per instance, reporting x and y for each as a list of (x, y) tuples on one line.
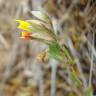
[(24, 25)]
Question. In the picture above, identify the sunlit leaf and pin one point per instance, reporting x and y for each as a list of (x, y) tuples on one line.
[(42, 16), (37, 26)]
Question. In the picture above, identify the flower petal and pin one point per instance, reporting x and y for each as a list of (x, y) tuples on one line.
[(25, 35), (24, 25)]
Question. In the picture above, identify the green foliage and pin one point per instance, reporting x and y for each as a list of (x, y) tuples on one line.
[(89, 92), (75, 78), (55, 52)]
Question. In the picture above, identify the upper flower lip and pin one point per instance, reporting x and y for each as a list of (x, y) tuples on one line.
[(24, 25)]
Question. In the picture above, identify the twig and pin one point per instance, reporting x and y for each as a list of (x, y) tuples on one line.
[(41, 82), (92, 62), (53, 78), (77, 62)]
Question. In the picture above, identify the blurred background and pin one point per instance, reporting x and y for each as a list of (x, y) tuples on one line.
[(21, 74)]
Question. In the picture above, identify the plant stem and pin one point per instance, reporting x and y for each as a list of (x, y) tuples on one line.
[(41, 83), (77, 62), (53, 78), (91, 66)]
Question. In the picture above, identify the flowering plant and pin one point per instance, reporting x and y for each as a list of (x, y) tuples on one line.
[(41, 29)]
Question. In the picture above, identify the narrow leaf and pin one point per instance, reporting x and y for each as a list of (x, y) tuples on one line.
[(75, 78), (42, 16)]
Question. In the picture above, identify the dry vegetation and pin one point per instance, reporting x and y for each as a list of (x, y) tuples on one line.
[(21, 74)]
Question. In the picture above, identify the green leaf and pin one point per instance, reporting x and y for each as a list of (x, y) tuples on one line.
[(75, 79), (36, 26), (89, 92), (42, 16), (66, 52), (55, 52)]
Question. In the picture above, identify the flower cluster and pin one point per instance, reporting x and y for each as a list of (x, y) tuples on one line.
[(39, 29)]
